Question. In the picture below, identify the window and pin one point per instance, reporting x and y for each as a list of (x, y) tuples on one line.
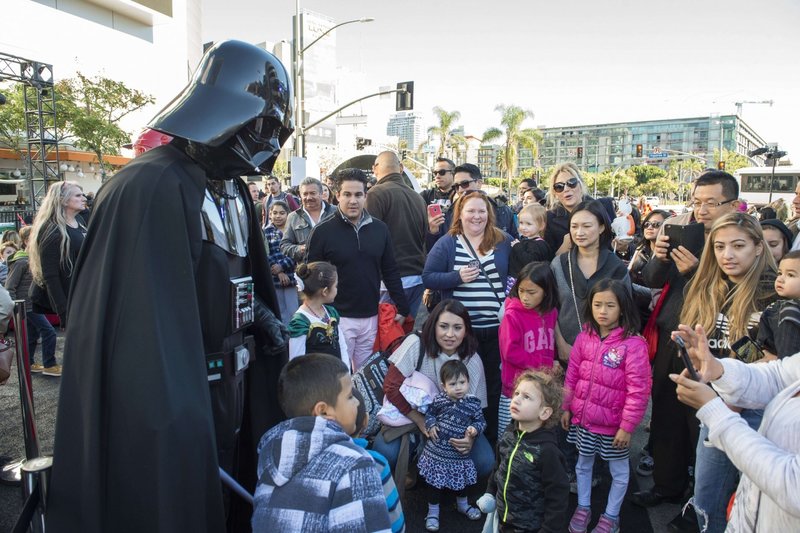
[(761, 183)]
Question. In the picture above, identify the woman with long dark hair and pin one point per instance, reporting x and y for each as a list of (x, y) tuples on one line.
[(447, 335)]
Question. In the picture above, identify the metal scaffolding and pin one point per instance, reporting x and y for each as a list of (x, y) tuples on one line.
[(40, 120)]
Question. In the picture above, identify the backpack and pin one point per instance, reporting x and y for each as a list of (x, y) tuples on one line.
[(370, 377)]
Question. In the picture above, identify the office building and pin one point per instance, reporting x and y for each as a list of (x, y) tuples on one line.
[(408, 127)]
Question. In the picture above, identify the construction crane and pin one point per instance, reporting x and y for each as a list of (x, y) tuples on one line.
[(739, 104)]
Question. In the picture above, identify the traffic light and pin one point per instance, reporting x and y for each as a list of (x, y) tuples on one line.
[(580, 152), (721, 165), (404, 98), (638, 150)]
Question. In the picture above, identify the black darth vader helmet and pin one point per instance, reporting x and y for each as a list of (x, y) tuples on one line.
[(236, 112)]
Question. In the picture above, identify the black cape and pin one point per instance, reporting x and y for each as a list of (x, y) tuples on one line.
[(135, 443)]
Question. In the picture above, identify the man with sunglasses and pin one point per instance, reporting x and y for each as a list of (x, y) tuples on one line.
[(468, 177), (674, 427)]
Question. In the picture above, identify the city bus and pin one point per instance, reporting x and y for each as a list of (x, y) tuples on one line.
[(754, 184)]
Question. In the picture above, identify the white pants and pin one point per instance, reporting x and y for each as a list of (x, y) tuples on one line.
[(359, 334)]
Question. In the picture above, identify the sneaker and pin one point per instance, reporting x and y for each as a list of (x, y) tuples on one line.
[(645, 466), (36, 367), (54, 370), (606, 524), (580, 520)]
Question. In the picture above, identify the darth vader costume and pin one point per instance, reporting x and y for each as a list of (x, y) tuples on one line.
[(172, 357)]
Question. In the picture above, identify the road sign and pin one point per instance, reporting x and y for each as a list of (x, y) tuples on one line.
[(657, 155)]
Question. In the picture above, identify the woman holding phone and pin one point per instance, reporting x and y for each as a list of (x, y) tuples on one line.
[(733, 284), (769, 459), (470, 264)]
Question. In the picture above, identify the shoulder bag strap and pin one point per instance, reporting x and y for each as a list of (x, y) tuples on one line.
[(572, 287), (485, 275), (421, 355)]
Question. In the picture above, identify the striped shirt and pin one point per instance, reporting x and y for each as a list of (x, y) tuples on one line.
[(478, 296)]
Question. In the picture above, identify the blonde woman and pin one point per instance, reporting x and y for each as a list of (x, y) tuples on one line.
[(55, 241), (567, 190), (734, 283)]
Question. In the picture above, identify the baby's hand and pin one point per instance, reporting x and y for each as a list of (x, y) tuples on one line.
[(433, 433), (471, 432), (486, 503)]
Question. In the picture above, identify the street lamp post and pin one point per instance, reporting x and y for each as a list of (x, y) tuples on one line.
[(299, 90)]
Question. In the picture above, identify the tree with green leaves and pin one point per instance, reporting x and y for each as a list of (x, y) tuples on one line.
[(733, 160), (644, 173), (512, 118), (683, 172), (448, 142), (93, 108)]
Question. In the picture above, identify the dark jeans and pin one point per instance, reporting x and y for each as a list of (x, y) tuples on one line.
[(673, 427), (489, 350), (38, 325)]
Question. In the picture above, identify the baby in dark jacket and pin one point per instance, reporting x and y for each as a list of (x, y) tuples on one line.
[(529, 488), (531, 246)]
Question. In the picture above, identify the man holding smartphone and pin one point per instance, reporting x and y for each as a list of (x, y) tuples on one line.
[(673, 425)]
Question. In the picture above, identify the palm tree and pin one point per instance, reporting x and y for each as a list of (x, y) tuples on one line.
[(447, 120), (515, 137)]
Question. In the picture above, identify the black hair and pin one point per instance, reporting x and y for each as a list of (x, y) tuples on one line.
[(473, 171), (530, 182), (361, 413), (280, 203), (351, 174), (316, 276), (596, 208), (628, 314), (445, 160), (541, 274), (730, 189), (663, 214), (767, 213), (453, 369), (468, 346), (308, 380)]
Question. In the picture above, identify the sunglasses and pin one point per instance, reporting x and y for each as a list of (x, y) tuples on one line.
[(560, 186), (654, 225), (441, 172), (464, 184)]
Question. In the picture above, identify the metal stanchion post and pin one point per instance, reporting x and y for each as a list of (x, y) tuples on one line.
[(36, 478)]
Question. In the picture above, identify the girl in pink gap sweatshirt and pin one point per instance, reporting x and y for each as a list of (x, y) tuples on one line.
[(606, 390), (527, 331)]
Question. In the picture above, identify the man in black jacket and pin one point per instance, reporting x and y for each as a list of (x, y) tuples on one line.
[(360, 247), (404, 213), (442, 192)]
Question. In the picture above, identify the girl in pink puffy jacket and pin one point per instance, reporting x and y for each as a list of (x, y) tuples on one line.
[(606, 390)]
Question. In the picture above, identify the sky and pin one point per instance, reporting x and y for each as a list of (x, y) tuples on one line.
[(570, 62)]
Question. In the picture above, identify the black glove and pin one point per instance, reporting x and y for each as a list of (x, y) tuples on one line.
[(271, 334)]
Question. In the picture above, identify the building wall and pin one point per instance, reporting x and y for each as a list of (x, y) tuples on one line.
[(605, 146), (407, 126)]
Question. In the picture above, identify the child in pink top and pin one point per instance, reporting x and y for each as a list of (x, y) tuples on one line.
[(605, 396), (527, 331)]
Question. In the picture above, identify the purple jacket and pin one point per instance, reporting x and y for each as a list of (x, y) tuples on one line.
[(608, 382)]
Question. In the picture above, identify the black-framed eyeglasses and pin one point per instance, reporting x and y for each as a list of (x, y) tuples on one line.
[(441, 172), (654, 225), (464, 184), (561, 185)]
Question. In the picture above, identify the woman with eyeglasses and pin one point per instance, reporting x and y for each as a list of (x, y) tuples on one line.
[(56, 238), (470, 264), (567, 190)]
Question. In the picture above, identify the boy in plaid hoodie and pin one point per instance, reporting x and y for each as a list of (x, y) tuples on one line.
[(312, 477)]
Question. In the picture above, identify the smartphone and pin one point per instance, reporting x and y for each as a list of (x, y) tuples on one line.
[(474, 264), (691, 236), (434, 210), (686, 361), (747, 350)]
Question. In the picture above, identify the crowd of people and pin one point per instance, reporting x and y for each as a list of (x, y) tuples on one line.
[(551, 325), (564, 315)]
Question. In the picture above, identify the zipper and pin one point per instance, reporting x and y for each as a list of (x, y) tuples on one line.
[(508, 474), (591, 382)]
